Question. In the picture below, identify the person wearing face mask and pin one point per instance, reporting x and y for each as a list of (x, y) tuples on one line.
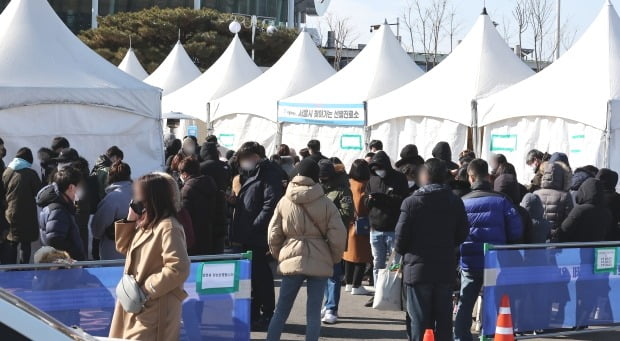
[(57, 222), (188, 149), (259, 192), (199, 196), (385, 192), (21, 184), (535, 159), (338, 191)]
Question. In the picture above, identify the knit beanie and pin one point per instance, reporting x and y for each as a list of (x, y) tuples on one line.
[(309, 168)]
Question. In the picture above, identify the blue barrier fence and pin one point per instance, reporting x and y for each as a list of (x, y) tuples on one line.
[(553, 287), (85, 297)]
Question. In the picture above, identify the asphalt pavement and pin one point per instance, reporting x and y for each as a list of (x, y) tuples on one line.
[(360, 323)]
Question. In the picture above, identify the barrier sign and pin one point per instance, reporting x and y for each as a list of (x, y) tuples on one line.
[(192, 130), (554, 288), (218, 277), (351, 142), (322, 114), (226, 140), (503, 143)]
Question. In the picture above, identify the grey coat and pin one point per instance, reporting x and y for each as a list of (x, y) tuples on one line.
[(113, 207), (556, 200)]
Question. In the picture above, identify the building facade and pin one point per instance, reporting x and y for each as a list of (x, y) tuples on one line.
[(80, 15)]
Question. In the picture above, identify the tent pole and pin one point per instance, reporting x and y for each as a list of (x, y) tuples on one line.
[(209, 123), (279, 134), (367, 129), (94, 13), (474, 128), (606, 161)]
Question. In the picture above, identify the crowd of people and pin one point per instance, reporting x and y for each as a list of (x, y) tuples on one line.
[(323, 225)]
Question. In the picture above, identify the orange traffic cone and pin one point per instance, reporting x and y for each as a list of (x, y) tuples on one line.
[(504, 331), (429, 335)]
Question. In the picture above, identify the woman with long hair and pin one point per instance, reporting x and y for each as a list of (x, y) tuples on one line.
[(154, 244)]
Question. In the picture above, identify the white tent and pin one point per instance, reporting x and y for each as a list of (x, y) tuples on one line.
[(250, 113), (51, 84), (174, 72), (334, 112), (131, 65), (572, 106), (232, 70), (438, 106)]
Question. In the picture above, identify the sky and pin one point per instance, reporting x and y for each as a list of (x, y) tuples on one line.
[(576, 16)]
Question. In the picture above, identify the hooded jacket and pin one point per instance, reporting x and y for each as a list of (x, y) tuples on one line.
[(432, 224), (339, 192), (590, 220), (57, 223), (216, 169), (21, 185), (557, 202), (386, 193), (609, 180), (300, 246), (540, 228), (492, 219), (113, 207), (443, 152), (257, 199), (199, 196)]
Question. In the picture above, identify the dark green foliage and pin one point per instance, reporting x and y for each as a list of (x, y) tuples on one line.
[(204, 34)]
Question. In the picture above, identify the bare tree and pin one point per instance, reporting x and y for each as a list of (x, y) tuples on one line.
[(344, 33), (430, 27), (409, 21), (521, 15), (454, 26), (540, 19), (506, 30)]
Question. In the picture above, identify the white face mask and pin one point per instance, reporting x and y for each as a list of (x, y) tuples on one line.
[(411, 183), (247, 165), (79, 194), (381, 173)]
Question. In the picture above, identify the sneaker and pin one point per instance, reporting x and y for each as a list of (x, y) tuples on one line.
[(323, 312), (330, 317), (360, 291), (348, 288)]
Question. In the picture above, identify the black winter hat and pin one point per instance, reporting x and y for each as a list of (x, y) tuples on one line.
[(409, 151), (209, 149), (25, 154), (608, 178), (326, 169), (67, 155), (309, 168)]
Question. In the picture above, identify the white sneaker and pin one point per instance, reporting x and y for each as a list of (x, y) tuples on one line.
[(360, 291), (330, 317), (348, 288)]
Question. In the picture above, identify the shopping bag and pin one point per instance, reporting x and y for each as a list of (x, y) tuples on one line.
[(388, 296)]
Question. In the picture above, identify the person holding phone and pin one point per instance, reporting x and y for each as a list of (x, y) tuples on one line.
[(156, 256)]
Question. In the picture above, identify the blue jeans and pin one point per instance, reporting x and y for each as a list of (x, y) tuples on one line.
[(382, 245), (288, 292), (471, 283), (332, 291), (430, 307)]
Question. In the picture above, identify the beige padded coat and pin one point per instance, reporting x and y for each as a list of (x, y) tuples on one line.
[(157, 257), (300, 247)]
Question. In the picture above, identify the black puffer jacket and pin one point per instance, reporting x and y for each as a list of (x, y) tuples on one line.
[(385, 195), (432, 224), (590, 220), (609, 180), (443, 152), (256, 202), (199, 198)]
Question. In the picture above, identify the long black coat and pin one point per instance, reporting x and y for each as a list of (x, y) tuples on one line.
[(432, 224), (199, 198), (387, 194), (256, 202), (590, 220), (21, 188)]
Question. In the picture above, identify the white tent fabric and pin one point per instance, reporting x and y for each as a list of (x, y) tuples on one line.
[(70, 91), (438, 106), (567, 107), (238, 115), (335, 108), (131, 65), (233, 69), (174, 72)]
